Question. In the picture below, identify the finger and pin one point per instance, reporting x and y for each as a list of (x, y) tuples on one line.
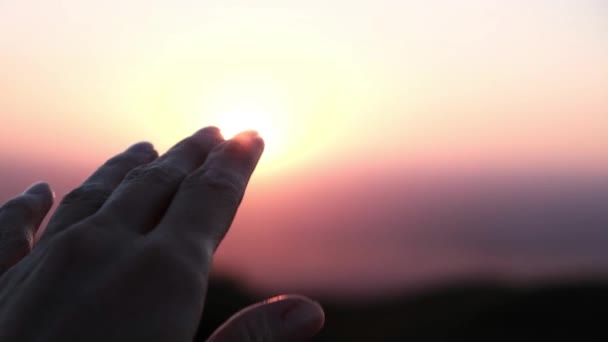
[(142, 198), (20, 218), (283, 318), (85, 200), (206, 202)]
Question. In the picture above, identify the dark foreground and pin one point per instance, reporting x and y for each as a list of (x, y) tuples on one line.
[(575, 311)]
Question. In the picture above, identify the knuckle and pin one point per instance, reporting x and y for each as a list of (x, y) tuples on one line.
[(123, 160), (87, 192), (84, 242), (136, 173), (155, 174), (225, 183)]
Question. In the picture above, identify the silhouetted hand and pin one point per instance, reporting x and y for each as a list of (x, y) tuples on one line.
[(126, 256)]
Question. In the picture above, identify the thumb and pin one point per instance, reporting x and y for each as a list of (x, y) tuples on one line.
[(282, 318)]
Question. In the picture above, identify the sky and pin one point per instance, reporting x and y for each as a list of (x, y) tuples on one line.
[(407, 141)]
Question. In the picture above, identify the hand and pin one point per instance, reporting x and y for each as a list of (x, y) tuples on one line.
[(126, 256)]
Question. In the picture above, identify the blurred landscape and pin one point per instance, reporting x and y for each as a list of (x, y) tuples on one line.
[(339, 236), (496, 256)]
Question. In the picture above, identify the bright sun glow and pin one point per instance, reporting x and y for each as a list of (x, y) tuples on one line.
[(286, 111), (249, 102), (265, 122), (237, 120)]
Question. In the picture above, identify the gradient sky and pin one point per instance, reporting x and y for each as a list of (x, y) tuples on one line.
[(376, 116)]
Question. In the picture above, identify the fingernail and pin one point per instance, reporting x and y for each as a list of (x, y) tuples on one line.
[(39, 188), (249, 137), (143, 146), (250, 133), (304, 314)]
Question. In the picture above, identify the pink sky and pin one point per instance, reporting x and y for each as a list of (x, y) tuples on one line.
[(371, 111)]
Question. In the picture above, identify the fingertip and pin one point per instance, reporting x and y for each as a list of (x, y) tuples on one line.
[(142, 146), (259, 142), (144, 150), (252, 136), (248, 142), (40, 188), (249, 132), (304, 314), (44, 194), (210, 130), (281, 318)]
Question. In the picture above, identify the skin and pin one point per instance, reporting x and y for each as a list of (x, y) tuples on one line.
[(126, 256)]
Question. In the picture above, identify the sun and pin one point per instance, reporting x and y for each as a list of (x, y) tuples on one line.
[(249, 101), (236, 120), (266, 120)]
